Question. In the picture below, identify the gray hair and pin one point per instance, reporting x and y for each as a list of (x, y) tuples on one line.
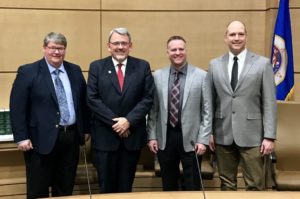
[(55, 37), (120, 31)]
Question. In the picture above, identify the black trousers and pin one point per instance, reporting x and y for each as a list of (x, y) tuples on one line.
[(56, 169), (169, 160), (116, 169)]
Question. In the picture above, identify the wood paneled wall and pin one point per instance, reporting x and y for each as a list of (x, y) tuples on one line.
[(86, 24)]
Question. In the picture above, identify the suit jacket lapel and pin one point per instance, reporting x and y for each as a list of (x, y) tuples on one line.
[(111, 71), (129, 74), (247, 65), (224, 71), (73, 82), (188, 83), (46, 73), (165, 85)]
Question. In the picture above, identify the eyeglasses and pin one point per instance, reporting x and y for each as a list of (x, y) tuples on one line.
[(118, 43), (54, 49)]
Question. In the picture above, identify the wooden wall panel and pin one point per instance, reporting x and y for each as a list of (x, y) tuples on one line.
[(11, 165), (294, 3), (184, 5), (201, 22), (297, 87), (204, 32), (295, 20), (6, 80), (13, 191), (275, 3), (269, 28), (24, 30), (54, 4)]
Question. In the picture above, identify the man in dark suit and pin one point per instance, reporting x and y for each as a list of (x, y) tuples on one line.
[(244, 109), (120, 94), (49, 117)]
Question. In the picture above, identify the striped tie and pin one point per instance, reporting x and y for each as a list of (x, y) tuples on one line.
[(175, 99)]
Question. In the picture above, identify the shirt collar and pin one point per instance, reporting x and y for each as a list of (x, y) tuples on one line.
[(183, 70), (52, 69), (115, 62), (241, 56)]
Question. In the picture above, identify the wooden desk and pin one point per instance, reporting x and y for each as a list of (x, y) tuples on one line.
[(195, 195)]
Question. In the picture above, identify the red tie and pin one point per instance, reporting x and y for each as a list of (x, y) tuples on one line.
[(120, 76)]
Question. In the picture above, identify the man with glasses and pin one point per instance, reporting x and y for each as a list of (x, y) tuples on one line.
[(120, 94), (49, 118)]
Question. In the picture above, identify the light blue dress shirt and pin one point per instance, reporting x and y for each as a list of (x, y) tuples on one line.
[(67, 87)]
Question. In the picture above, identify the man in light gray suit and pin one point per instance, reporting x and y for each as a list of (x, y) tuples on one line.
[(244, 109), (181, 113)]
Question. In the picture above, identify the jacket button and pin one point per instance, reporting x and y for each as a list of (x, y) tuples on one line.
[(233, 112)]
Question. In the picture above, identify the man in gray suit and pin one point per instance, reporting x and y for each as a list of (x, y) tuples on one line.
[(244, 109), (181, 113)]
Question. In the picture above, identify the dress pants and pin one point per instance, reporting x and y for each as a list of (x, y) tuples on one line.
[(116, 169), (251, 162), (169, 160), (56, 169)]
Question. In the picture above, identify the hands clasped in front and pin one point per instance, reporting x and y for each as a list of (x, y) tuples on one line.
[(121, 127)]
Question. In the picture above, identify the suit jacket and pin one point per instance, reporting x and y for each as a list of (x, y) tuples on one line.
[(195, 111), (34, 109), (247, 114), (107, 101)]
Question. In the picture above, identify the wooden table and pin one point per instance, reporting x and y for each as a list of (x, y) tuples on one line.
[(195, 195)]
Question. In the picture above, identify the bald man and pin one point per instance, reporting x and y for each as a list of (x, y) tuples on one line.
[(244, 106)]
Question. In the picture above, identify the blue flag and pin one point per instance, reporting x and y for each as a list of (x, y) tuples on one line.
[(282, 53)]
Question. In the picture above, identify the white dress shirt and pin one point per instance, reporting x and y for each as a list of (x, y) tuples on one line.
[(123, 68), (241, 61)]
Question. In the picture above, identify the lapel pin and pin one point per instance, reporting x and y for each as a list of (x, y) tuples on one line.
[(109, 72)]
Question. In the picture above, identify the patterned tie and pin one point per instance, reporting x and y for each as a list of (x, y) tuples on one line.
[(120, 76), (234, 73), (175, 99), (61, 98)]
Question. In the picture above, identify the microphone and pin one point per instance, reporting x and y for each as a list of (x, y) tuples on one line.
[(87, 172), (199, 171)]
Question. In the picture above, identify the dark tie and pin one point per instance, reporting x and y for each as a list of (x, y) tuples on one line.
[(61, 98), (120, 76), (234, 73), (175, 99)]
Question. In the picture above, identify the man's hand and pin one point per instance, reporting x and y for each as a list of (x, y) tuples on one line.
[(153, 146), (87, 137), (125, 134), (212, 145), (121, 125), (200, 148), (25, 145), (267, 147)]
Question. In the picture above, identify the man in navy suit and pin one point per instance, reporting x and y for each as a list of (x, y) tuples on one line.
[(120, 94), (49, 117)]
